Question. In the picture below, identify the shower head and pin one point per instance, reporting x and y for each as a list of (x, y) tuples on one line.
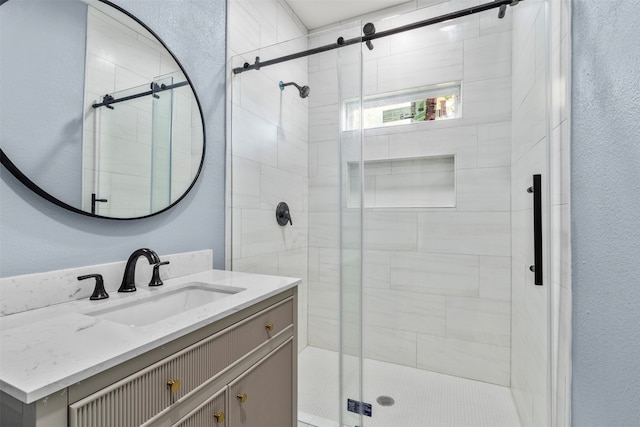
[(304, 90)]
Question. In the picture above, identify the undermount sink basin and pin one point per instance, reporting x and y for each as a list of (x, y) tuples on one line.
[(158, 307)]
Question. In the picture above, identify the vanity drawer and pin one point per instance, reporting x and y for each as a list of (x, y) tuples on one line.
[(137, 398), (210, 413), (259, 328)]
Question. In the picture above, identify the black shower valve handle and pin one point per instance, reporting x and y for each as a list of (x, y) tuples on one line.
[(286, 216), (283, 215)]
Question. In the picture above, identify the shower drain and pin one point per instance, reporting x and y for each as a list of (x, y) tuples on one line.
[(385, 400)]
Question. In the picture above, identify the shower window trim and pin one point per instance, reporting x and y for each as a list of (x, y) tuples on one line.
[(351, 107)]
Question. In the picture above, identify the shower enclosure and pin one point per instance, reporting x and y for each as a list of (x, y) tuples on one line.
[(406, 171)]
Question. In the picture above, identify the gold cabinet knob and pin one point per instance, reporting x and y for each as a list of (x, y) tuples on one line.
[(242, 397), (219, 416), (269, 326), (173, 385)]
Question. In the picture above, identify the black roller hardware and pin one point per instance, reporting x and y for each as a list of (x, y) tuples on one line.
[(536, 190)]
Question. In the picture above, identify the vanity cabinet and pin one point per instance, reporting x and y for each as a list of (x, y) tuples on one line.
[(261, 396), (238, 371)]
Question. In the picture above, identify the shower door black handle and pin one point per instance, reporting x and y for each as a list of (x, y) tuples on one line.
[(536, 190)]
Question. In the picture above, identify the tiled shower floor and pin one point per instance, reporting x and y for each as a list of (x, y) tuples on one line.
[(422, 398)]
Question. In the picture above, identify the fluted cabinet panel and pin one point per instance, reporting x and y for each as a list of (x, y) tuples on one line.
[(138, 398)]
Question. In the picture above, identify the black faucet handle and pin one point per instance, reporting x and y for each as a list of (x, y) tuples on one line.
[(99, 291), (155, 278)]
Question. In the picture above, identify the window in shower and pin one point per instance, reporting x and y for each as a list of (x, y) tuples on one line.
[(422, 104)]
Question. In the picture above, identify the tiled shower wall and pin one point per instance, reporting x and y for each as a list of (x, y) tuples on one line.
[(436, 280), (267, 147)]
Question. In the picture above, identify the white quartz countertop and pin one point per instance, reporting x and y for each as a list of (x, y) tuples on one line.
[(45, 350)]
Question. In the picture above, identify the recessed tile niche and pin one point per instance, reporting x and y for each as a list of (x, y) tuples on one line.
[(413, 182)]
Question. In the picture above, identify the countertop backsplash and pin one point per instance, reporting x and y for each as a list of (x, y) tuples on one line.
[(32, 291)]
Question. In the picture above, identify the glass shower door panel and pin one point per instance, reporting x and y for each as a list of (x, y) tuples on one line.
[(123, 160), (450, 312), (349, 67)]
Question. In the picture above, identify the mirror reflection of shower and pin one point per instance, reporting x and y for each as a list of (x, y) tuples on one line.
[(143, 140), (304, 90)]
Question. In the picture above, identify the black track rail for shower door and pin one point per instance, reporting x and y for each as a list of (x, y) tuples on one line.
[(161, 88), (341, 42)]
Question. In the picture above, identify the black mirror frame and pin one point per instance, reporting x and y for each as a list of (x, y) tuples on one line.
[(17, 173)]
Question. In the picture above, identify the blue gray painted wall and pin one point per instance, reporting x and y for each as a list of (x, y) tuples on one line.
[(606, 213), (37, 236), (41, 106)]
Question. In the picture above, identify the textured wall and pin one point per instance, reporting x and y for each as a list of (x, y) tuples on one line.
[(50, 94), (605, 213), (38, 236)]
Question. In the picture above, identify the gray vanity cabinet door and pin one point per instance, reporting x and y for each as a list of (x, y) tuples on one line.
[(211, 413), (263, 395)]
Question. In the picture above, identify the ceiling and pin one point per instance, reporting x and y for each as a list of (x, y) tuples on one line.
[(319, 13)]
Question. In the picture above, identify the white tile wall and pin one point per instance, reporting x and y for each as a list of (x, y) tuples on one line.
[(429, 272), (479, 233), (268, 146), (435, 273), (412, 69)]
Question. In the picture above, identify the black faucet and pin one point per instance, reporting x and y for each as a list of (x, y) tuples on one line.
[(128, 281)]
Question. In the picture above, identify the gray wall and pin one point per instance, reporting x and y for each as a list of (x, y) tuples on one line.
[(45, 86), (606, 213), (39, 236)]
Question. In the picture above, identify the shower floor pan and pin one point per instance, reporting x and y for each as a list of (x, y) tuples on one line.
[(422, 398)]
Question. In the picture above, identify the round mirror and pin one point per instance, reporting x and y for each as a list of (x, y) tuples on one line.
[(96, 114)]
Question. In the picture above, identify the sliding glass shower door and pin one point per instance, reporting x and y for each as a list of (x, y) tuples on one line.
[(454, 122), (406, 169)]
